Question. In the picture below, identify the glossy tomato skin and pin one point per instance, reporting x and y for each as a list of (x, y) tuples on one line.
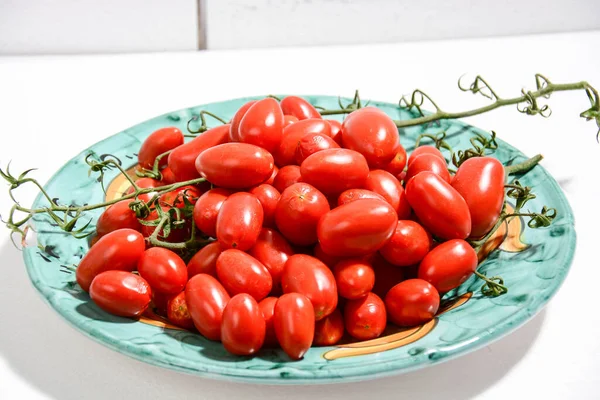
[(117, 216), (357, 228), (262, 125), (312, 143), (167, 176), (121, 293), (299, 108), (386, 184), (145, 183), (273, 251), (205, 260), (325, 258), (207, 209), (480, 181), (234, 134), (439, 207), (182, 160), (235, 165), (157, 143), (354, 278), (408, 245), (178, 313), (425, 150), (268, 197), (286, 177), (294, 323), (286, 155), (334, 170), (412, 302), (298, 212), (163, 269), (396, 166), (206, 299), (329, 330), (350, 195), (365, 318), (241, 273), (271, 179), (117, 250), (428, 162), (386, 275), (243, 326), (448, 265), (239, 221), (289, 120), (267, 307), (336, 130)]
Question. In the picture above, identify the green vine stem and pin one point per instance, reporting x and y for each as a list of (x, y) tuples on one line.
[(203, 125)]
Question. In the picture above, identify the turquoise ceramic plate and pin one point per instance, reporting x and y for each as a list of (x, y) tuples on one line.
[(533, 264)]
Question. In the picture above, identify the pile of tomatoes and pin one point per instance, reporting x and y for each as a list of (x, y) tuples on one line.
[(322, 230)]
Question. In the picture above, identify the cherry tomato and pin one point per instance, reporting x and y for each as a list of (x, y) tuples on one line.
[(439, 207), (157, 143), (309, 276), (336, 130), (145, 183), (425, 150), (289, 120), (480, 181), (386, 275), (335, 170), (286, 177), (273, 251), (120, 293), (243, 326), (182, 160), (117, 216), (357, 229), (350, 195), (329, 330), (263, 125), (299, 108), (241, 273), (117, 250), (267, 307), (325, 258), (167, 176), (205, 260), (312, 143), (408, 245), (386, 184), (268, 197), (175, 198), (271, 179), (234, 135), (286, 155), (448, 265), (396, 166), (298, 212), (239, 221), (412, 302), (354, 278), (206, 299), (365, 318), (178, 313), (207, 209), (163, 269), (428, 162), (294, 322)]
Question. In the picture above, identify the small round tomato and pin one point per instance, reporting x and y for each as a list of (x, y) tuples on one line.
[(386, 275), (448, 265), (163, 269), (179, 197), (241, 273), (206, 299), (286, 177), (412, 302), (117, 250), (271, 179), (239, 221), (312, 143), (408, 245), (207, 209), (157, 143), (286, 155), (439, 207), (298, 212), (268, 197), (273, 251), (365, 318), (205, 260), (234, 134), (396, 166), (178, 313), (262, 125), (294, 322), (120, 293), (299, 108), (329, 330), (335, 170), (428, 162), (267, 307), (386, 184), (243, 326), (117, 216), (354, 278), (425, 150), (289, 120), (350, 195), (336, 130), (167, 176), (325, 258), (145, 183)]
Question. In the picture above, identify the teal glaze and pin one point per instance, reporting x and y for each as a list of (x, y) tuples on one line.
[(533, 277)]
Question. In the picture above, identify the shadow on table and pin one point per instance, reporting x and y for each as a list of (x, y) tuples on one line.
[(64, 364)]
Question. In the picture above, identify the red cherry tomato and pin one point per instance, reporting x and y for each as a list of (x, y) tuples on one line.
[(267, 307), (243, 326), (294, 322), (239, 221), (271, 179), (263, 125), (428, 162), (350, 195), (412, 302), (289, 120), (178, 313), (268, 197), (235, 165), (354, 278), (167, 176), (241, 273), (206, 299), (386, 184), (205, 260), (325, 258), (329, 330), (175, 198), (286, 177), (298, 212), (365, 318), (120, 293), (157, 143), (286, 155), (357, 229), (439, 207), (207, 209), (480, 181), (425, 150), (386, 275), (117, 216), (448, 265), (396, 166), (299, 108), (309, 276), (145, 183), (117, 250), (182, 160), (273, 251), (336, 129), (234, 134), (408, 245), (312, 143), (163, 269), (335, 170)]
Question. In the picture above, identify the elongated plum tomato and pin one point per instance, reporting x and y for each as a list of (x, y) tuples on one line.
[(121, 293), (439, 207), (267, 307), (273, 251), (117, 216), (386, 184), (206, 299), (286, 177), (309, 276), (207, 209), (145, 183), (480, 181), (354, 278), (243, 326), (241, 273), (286, 155), (235, 165), (386, 275), (157, 143), (408, 245), (298, 212), (350, 195), (357, 229), (412, 302), (239, 221), (329, 330), (299, 108), (428, 162), (294, 322), (268, 197), (425, 150), (262, 125), (234, 135), (182, 160), (117, 250), (396, 166), (289, 120), (334, 170), (178, 313), (365, 318), (448, 265), (205, 260), (336, 130), (163, 269), (312, 143)]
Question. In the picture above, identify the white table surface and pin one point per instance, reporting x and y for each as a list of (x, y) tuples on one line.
[(53, 107)]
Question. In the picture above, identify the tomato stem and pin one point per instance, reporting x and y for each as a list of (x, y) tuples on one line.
[(524, 166)]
